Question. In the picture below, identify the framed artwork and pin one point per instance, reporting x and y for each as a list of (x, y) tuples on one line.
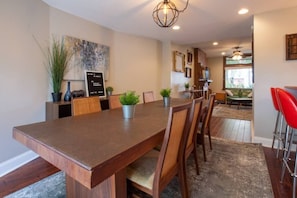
[(189, 58), (291, 47), (86, 56), (188, 72), (94, 82), (178, 61)]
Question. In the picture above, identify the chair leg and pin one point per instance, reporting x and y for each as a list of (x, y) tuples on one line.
[(182, 175), (203, 147), (275, 129), (209, 138), (287, 151), (295, 175), (196, 158), (279, 136)]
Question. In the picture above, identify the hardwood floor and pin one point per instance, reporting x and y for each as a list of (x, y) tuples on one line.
[(237, 130)]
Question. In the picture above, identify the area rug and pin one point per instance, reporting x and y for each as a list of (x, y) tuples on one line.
[(232, 112), (232, 170)]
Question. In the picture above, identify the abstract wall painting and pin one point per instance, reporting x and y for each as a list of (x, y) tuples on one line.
[(87, 56)]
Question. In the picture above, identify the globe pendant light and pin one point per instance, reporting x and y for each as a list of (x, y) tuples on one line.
[(165, 14)]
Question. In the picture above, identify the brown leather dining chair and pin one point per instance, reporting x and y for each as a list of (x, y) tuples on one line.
[(148, 96), (114, 101), (192, 138), (152, 172), (204, 127), (84, 105)]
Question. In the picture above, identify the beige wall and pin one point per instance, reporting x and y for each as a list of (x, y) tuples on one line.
[(132, 66), (271, 68), (215, 66), (23, 77), (178, 79)]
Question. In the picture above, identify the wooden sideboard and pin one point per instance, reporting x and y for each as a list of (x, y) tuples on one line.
[(55, 110)]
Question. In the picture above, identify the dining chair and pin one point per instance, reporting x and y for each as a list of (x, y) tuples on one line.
[(204, 126), (153, 172), (148, 96), (288, 106), (277, 132), (192, 138), (114, 101), (84, 105)]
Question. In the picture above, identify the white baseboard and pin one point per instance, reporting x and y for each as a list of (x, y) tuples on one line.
[(14, 163), (267, 142)]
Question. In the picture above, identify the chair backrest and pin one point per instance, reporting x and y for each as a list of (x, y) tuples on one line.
[(274, 99), (114, 101), (288, 106), (197, 106), (148, 96), (207, 116), (173, 145), (84, 105)]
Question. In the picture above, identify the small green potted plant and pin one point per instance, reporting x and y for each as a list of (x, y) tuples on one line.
[(187, 86), (109, 91), (165, 93), (129, 99)]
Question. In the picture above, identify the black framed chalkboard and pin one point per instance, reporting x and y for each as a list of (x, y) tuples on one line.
[(94, 81)]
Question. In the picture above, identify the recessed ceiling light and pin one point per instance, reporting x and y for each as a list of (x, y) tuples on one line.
[(176, 27), (243, 11), (223, 53), (215, 43)]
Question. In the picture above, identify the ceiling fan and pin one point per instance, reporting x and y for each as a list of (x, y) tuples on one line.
[(237, 54)]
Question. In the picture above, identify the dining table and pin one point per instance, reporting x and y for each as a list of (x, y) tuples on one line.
[(94, 149)]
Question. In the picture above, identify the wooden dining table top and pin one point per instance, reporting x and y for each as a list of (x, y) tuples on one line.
[(92, 147)]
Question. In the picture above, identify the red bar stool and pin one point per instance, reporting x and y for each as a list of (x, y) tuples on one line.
[(288, 106), (277, 133)]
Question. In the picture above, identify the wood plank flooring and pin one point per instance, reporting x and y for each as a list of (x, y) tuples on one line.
[(237, 130)]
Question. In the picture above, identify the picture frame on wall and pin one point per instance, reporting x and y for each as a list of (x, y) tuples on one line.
[(178, 61), (188, 72), (189, 58), (291, 47)]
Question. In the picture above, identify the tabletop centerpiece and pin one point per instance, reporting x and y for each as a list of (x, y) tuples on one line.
[(165, 93), (129, 100)]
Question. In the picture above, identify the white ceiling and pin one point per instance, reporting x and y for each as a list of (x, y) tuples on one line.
[(203, 22)]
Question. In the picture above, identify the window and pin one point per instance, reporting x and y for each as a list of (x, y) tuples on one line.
[(238, 74)]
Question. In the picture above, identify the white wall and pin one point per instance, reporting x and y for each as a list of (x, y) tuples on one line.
[(271, 68), (23, 77)]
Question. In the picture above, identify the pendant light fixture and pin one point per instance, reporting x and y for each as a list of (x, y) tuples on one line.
[(165, 14), (237, 54)]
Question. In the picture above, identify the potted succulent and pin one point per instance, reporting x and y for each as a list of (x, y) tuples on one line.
[(187, 86), (58, 57), (165, 93), (129, 99), (109, 91)]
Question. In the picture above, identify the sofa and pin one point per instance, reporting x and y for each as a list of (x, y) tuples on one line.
[(238, 93)]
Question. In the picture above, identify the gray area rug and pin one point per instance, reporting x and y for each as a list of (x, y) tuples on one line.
[(232, 112), (232, 170)]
